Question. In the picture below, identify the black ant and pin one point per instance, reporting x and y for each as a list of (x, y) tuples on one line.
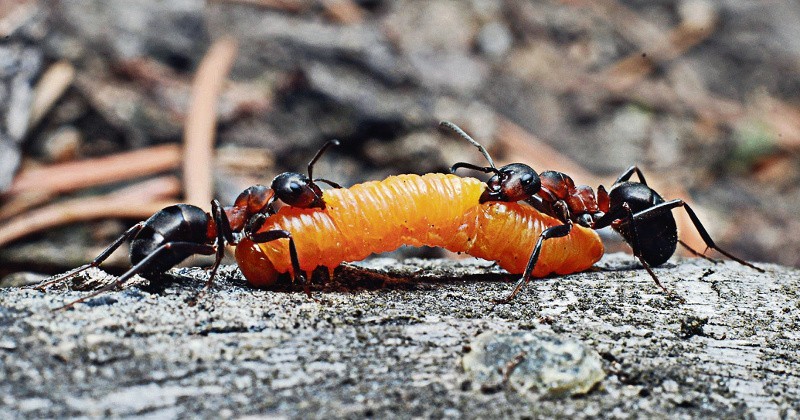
[(179, 231), (633, 209), (645, 221)]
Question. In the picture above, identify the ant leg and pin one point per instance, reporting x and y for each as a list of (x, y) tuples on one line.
[(629, 173), (98, 260), (551, 232), (324, 147), (257, 219), (224, 233), (697, 253), (710, 243), (331, 183), (653, 275), (180, 247), (224, 230), (632, 219), (272, 235), (669, 205), (255, 223)]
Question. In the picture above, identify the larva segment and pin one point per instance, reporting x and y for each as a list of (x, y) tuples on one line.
[(373, 217), (507, 233), (254, 264), (433, 210)]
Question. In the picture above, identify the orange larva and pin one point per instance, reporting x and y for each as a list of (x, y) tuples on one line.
[(434, 210)]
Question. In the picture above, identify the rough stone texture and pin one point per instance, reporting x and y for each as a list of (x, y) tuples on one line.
[(389, 343)]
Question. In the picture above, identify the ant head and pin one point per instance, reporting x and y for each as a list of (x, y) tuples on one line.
[(297, 190), (511, 183)]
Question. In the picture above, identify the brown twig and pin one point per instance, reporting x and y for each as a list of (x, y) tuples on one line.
[(784, 119), (20, 203), (201, 121), (249, 160), (71, 176), (635, 67), (653, 46), (627, 76), (626, 79), (343, 11), (650, 39), (150, 73), (138, 201), (523, 146), (53, 83), (290, 6), (627, 22)]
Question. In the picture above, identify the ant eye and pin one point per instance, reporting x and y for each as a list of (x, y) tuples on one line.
[(526, 179), (296, 187)]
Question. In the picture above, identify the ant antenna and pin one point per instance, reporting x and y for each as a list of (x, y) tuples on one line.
[(324, 147), (466, 137)]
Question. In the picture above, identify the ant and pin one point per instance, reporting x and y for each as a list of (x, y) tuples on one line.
[(633, 209), (179, 231)]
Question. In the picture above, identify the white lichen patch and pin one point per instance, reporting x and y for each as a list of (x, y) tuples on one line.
[(536, 364)]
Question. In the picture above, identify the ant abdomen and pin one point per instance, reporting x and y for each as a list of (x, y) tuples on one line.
[(180, 223), (654, 235)]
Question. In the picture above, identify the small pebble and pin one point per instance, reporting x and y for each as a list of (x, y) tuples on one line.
[(535, 364)]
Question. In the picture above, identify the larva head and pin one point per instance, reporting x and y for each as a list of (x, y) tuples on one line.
[(514, 182), (254, 264), (297, 190)]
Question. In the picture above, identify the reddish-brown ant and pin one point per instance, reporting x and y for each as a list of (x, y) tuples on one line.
[(633, 209), (179, 231)]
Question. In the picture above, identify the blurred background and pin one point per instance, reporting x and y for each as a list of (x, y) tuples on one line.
[(112, 109)]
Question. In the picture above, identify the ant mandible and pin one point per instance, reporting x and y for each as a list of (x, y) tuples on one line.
[(179, 231), (633, 209)]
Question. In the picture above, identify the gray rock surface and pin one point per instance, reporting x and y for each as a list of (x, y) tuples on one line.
[(389, 342)]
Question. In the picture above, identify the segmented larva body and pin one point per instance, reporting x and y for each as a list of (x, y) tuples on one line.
[(434, 210)]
